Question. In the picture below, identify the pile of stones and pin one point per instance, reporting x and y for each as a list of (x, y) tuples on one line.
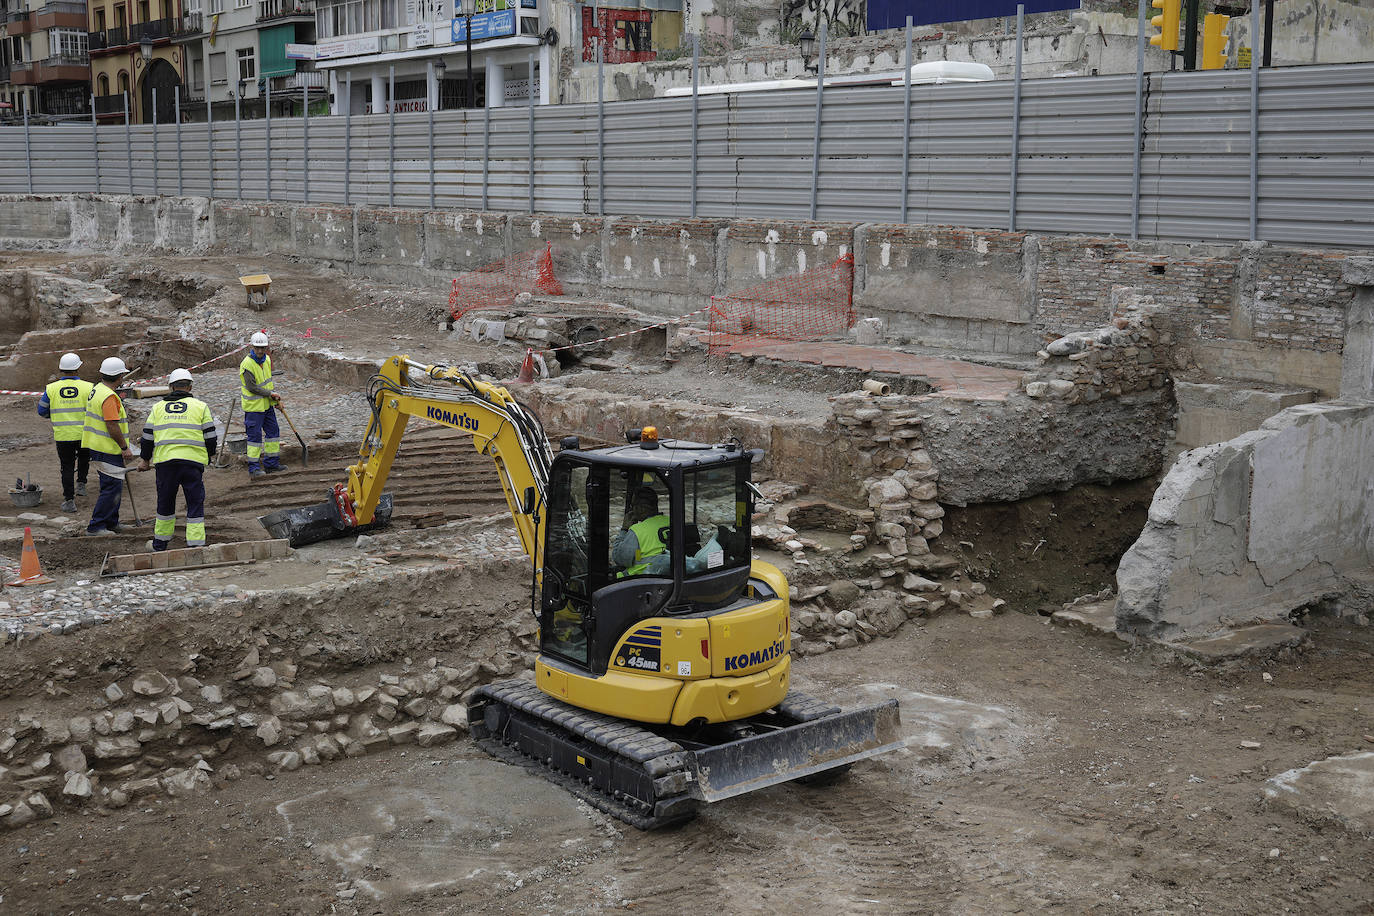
[(1130, 354)]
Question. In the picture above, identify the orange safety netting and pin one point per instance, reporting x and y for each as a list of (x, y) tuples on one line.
[(495, 285), (811, 305)]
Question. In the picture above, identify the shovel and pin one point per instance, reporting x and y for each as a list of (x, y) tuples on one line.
[(222, 456), (305, 449), (129, 488)]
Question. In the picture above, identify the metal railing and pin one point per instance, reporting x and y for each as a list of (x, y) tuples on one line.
[(189, 24), (67, 60), (301, 79), (109, 104), (61, 6), (17, 15), (281, 9)]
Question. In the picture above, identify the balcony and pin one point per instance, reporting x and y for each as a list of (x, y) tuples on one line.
[(298, 81), (188, 26), (22, 74), (4, 73), (156, 29), (60, 15), (285, 9), (64, 68), (109, 105), (17, 22)]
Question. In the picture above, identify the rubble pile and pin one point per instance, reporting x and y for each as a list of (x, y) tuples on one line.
[(1131, 354)]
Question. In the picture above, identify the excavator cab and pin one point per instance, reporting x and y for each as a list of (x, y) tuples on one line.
[(640, 531)]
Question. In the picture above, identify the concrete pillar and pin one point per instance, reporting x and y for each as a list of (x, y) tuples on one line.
[(546, 66), (1357, 356), (496, 84), (432, 81), (336, 104), (378, 94)]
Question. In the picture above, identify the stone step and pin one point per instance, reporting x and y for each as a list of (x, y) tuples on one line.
[(192, 557)]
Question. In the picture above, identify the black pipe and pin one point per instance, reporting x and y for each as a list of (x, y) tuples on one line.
[(1268, 33)]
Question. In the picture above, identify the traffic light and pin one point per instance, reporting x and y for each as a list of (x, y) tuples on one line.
[(1214, 41), (1167, 23)]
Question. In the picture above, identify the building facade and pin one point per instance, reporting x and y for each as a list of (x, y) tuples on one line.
[(134, 59), (414, 55), (44, 63), (237, 50)]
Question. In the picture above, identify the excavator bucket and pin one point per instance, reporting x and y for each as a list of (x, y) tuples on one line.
[(795, 752), (320, 522)]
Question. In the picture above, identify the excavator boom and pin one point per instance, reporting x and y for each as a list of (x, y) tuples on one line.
[(501, 428)]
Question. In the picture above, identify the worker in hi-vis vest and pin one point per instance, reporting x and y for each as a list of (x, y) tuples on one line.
[(106, 439), (259, 419), (640, 548), (179, 441), (64, 403)]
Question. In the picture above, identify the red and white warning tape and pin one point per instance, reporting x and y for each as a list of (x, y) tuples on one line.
[(213, 359), (109, 346), (13, 391)]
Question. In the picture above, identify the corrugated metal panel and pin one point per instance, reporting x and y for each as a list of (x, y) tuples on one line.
[(754, 156)]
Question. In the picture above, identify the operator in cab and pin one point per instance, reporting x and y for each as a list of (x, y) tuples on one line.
[(641, 547)]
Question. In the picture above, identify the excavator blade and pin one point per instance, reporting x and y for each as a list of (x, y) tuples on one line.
[(320, 522), (795, 752)]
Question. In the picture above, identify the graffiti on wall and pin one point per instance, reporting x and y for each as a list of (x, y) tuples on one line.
[(626, 36), (841, 17)]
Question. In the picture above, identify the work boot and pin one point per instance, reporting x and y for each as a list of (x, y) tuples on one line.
[(68, 505), (81, 489), (274, 468), (255, 473)]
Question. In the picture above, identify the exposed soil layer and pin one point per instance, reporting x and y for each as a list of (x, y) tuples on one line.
[(1040, 552)]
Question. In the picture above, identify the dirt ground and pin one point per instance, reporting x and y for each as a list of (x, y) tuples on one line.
[(1114, 783), (1045, 769)]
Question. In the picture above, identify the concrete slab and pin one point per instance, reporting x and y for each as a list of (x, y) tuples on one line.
[(460, 241), (1259, 639), (387, 236), (1337, 790), (940, 735), (1095, 617), (442, 828), (324, 232)]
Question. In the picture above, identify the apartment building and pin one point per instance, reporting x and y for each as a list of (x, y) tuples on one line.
[(44, 66), (133, 58), (411, 55), (238, 50)]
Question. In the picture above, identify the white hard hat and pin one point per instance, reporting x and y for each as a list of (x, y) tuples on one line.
[(69, 362), (178, 375), (259, 339), (113, 365)]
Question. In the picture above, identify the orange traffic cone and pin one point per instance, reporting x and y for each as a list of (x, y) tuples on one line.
[(30, 573), (527, 367), (545, 281)]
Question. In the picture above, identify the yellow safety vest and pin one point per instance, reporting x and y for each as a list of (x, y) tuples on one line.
[(67, 399), (95, 436), (262, 377), (179, 429), (649, 544)]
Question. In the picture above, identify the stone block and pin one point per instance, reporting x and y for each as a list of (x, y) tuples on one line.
[(662, 266), (258, 227), (35, 217), (575, 244)]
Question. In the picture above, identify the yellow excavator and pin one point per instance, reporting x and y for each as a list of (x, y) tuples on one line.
[(664, 663)]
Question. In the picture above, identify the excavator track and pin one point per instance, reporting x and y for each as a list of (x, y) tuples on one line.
[(649, 780), (627, 771)]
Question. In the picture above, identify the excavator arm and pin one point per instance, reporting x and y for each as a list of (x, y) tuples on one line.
[(501, 428)]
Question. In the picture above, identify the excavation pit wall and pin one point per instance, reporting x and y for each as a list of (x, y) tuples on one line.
[(1248, 311), (43, 314), (206, 689)]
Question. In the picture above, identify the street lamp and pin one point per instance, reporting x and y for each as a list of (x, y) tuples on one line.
[(145, 47), (807, 42), (439, 69)]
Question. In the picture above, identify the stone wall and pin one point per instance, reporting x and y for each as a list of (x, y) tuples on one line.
[(1253, 528), (1247, 311)]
